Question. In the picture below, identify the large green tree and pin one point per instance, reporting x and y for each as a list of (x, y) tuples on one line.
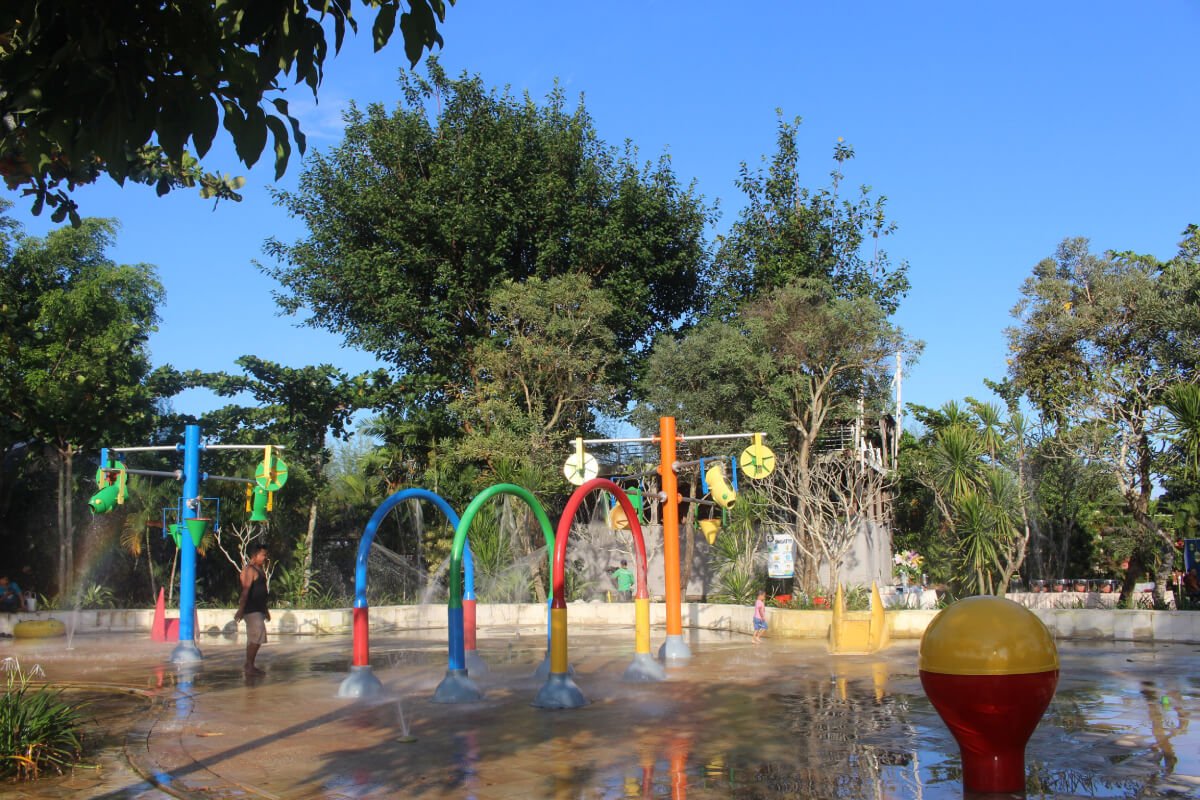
[(540, 378), (787, 231), (1099, 342), (792, 362), (88, 89), (73, 357), (419, 214)]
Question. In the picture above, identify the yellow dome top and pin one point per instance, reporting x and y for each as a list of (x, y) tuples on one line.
[(987, 636)]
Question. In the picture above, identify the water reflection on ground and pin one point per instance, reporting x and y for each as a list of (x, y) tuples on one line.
[(780, 720)]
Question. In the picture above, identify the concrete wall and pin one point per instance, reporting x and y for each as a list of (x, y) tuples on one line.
[(1081, 623)]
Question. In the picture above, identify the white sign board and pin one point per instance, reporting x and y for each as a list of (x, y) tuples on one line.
[(781, 561)]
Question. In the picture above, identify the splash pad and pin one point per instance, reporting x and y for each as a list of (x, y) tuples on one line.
[(784, 719)]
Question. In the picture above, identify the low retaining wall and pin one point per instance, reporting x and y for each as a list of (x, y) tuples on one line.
[(1081, 623)]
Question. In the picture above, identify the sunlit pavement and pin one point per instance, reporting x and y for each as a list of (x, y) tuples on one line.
[(779, 720)]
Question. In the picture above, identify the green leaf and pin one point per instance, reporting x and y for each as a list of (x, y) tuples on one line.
[(204, 124), (419, 29), (385, 24), (283, 148)]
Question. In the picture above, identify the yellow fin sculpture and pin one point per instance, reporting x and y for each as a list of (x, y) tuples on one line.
[(858, 631)]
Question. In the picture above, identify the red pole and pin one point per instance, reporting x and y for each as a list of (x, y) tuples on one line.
[(362, 648)]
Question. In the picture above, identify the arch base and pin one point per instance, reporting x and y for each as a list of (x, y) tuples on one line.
[(559, 692), (644, 669), (456, 687), (361, 682)]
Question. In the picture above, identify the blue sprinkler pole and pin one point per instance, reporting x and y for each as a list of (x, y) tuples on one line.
[(187, 652)]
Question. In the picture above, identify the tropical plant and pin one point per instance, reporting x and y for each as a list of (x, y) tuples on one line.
[(291, 588), (739, 571), (1182, 402), (96, 596), (38, 731), (974, 464), (576, 587), (146, 499)]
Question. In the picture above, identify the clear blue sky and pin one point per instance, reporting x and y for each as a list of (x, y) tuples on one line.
[(995, 130)]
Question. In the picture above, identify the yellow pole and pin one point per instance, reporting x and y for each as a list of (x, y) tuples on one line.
[(642, 625), (670, 487), (558, 641)]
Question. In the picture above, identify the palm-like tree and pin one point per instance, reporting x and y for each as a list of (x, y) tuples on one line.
[(955, 466), (975, 526), (1183, 404), (145, 500)]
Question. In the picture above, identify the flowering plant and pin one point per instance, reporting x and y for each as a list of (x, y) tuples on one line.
[(908, 564)]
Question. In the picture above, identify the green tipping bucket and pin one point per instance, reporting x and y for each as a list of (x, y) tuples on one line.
[(103, 501), (174, 530), (196, 527), (258, 511)]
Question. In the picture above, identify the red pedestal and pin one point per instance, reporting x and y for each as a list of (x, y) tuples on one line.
[(992, 718), (469, 625), (362, 644)]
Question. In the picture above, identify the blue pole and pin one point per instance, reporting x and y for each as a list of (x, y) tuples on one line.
[(468, 571), (186, 651)]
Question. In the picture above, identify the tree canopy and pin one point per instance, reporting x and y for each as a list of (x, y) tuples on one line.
[(787, 231), (1099, 344), (541, 378), (88, 89), (419, 215), (73, 358)]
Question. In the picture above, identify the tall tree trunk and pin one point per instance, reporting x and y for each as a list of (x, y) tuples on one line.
[(171, 581), (69, 512), (62, 527), (689, 550), (310, 541), (150, 567)]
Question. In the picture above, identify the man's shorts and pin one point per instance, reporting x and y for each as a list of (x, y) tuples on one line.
[(256, 627), (760, 624)]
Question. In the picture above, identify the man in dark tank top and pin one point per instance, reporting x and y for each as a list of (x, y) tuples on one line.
[(253, 606)]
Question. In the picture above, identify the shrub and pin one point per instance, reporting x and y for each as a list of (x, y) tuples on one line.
[(38, 730), (96, 596)]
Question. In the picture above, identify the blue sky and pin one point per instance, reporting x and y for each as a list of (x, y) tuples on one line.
[(995, 130)]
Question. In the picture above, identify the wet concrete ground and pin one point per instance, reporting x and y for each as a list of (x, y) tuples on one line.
[(780, 720)]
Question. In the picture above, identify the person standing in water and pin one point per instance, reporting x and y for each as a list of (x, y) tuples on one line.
[(253, 606), (760, 616)]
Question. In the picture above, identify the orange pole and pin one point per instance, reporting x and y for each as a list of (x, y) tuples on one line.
[(670, 488)]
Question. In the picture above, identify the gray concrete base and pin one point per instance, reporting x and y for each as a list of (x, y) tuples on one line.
[(474, 662), (644, 669), (361, 682), (456, 687), (186, 653), (559, 691), (674, 649)]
